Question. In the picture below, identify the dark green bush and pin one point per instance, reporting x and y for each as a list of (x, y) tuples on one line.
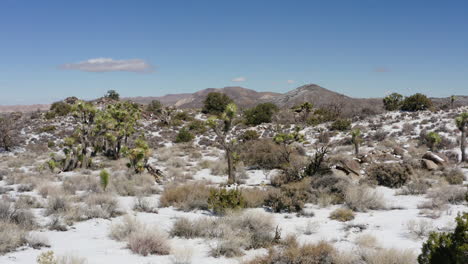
[(341, 125), (222, 200), (215, 103), (154, 107), (449, 248), (249, 135), (290, 197), (393, 175), (416, 102), (197, 126), (61, 108), (183, 116), (393, 101), (259, 114), (184, 136)]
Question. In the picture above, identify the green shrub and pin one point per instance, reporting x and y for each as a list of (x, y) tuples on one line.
[(222, 200), (259, 114), (393, 101), (249, 135), (416, 102), (47, 129), (112, 94), (60, 108), (342, 215), (49, 115), (454, 176), (154, 107), (184, 136), (184, 116), (393, 175), (341, 125), (215, 103), (433, 139), (104, 176), (197, 126), (290, 197), (450, 248)]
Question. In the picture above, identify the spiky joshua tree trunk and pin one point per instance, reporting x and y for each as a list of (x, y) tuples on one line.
[(462, 122)]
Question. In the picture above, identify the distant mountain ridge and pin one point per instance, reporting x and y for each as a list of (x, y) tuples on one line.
[(245, 98)]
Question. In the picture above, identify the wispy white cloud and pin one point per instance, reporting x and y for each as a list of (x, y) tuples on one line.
[(290, 81), (382, 69), (239, 79), (109, 65)]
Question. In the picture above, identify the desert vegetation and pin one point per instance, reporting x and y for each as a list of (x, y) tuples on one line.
[(229, 184)]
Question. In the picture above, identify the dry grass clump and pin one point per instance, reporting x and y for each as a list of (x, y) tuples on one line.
[(133, 185), (389, 256), (182, 255), (362, 198), (10, 213), (292, 252), (235, 232), (140, 238), (101, 206), (342, 215), (454, 176), (37, 240), (419, 229), (366, 241), (254, 197), (11, 236), (144, 205), (187, 197), (47, 189), (149, 242), (88, 183), (71, 259), (448, 194), (218, 167), (416, 187), (57, 204)]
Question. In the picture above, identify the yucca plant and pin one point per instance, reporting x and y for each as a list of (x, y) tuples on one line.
[(104, 175), (462, 123), (356, 138)]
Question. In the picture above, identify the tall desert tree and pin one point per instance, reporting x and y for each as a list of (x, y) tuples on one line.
[(222, 126), (462, 123), (304, 110)]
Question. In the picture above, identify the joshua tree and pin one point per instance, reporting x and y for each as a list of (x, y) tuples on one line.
[(304, 110), (356, 138), (433, 139), (113, 94), (393, 101), (452, 101), (462, 123), (222, 126), (285, 140)]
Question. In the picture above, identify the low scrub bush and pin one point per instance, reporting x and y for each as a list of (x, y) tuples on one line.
[(341, 125), (363, 198), (393, 175), (184, 135), (342, 215), (222, 200), (187, 197), (454, 176), (289, 197), (263, 153), (11, 236), (149, 242)]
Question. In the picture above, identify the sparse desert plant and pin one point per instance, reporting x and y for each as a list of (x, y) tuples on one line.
[(363, 198), (342, 215), (454, 176), (143, 205), (416, 187), (11, 236), (71, 259), (262, 153), (149, 241), (101, 206), (356, 139), (290, 197), (121, 230), (447, 194), (37, 240), (254, 197), (366, 241), (188, 196), (390, 256), (319, 253), (57, 205), (47, 257), (391, 175), (419, 229), (249, 135), (182, 255), (184, 227)]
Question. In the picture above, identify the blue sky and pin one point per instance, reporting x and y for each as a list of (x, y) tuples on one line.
[(359, 48)]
